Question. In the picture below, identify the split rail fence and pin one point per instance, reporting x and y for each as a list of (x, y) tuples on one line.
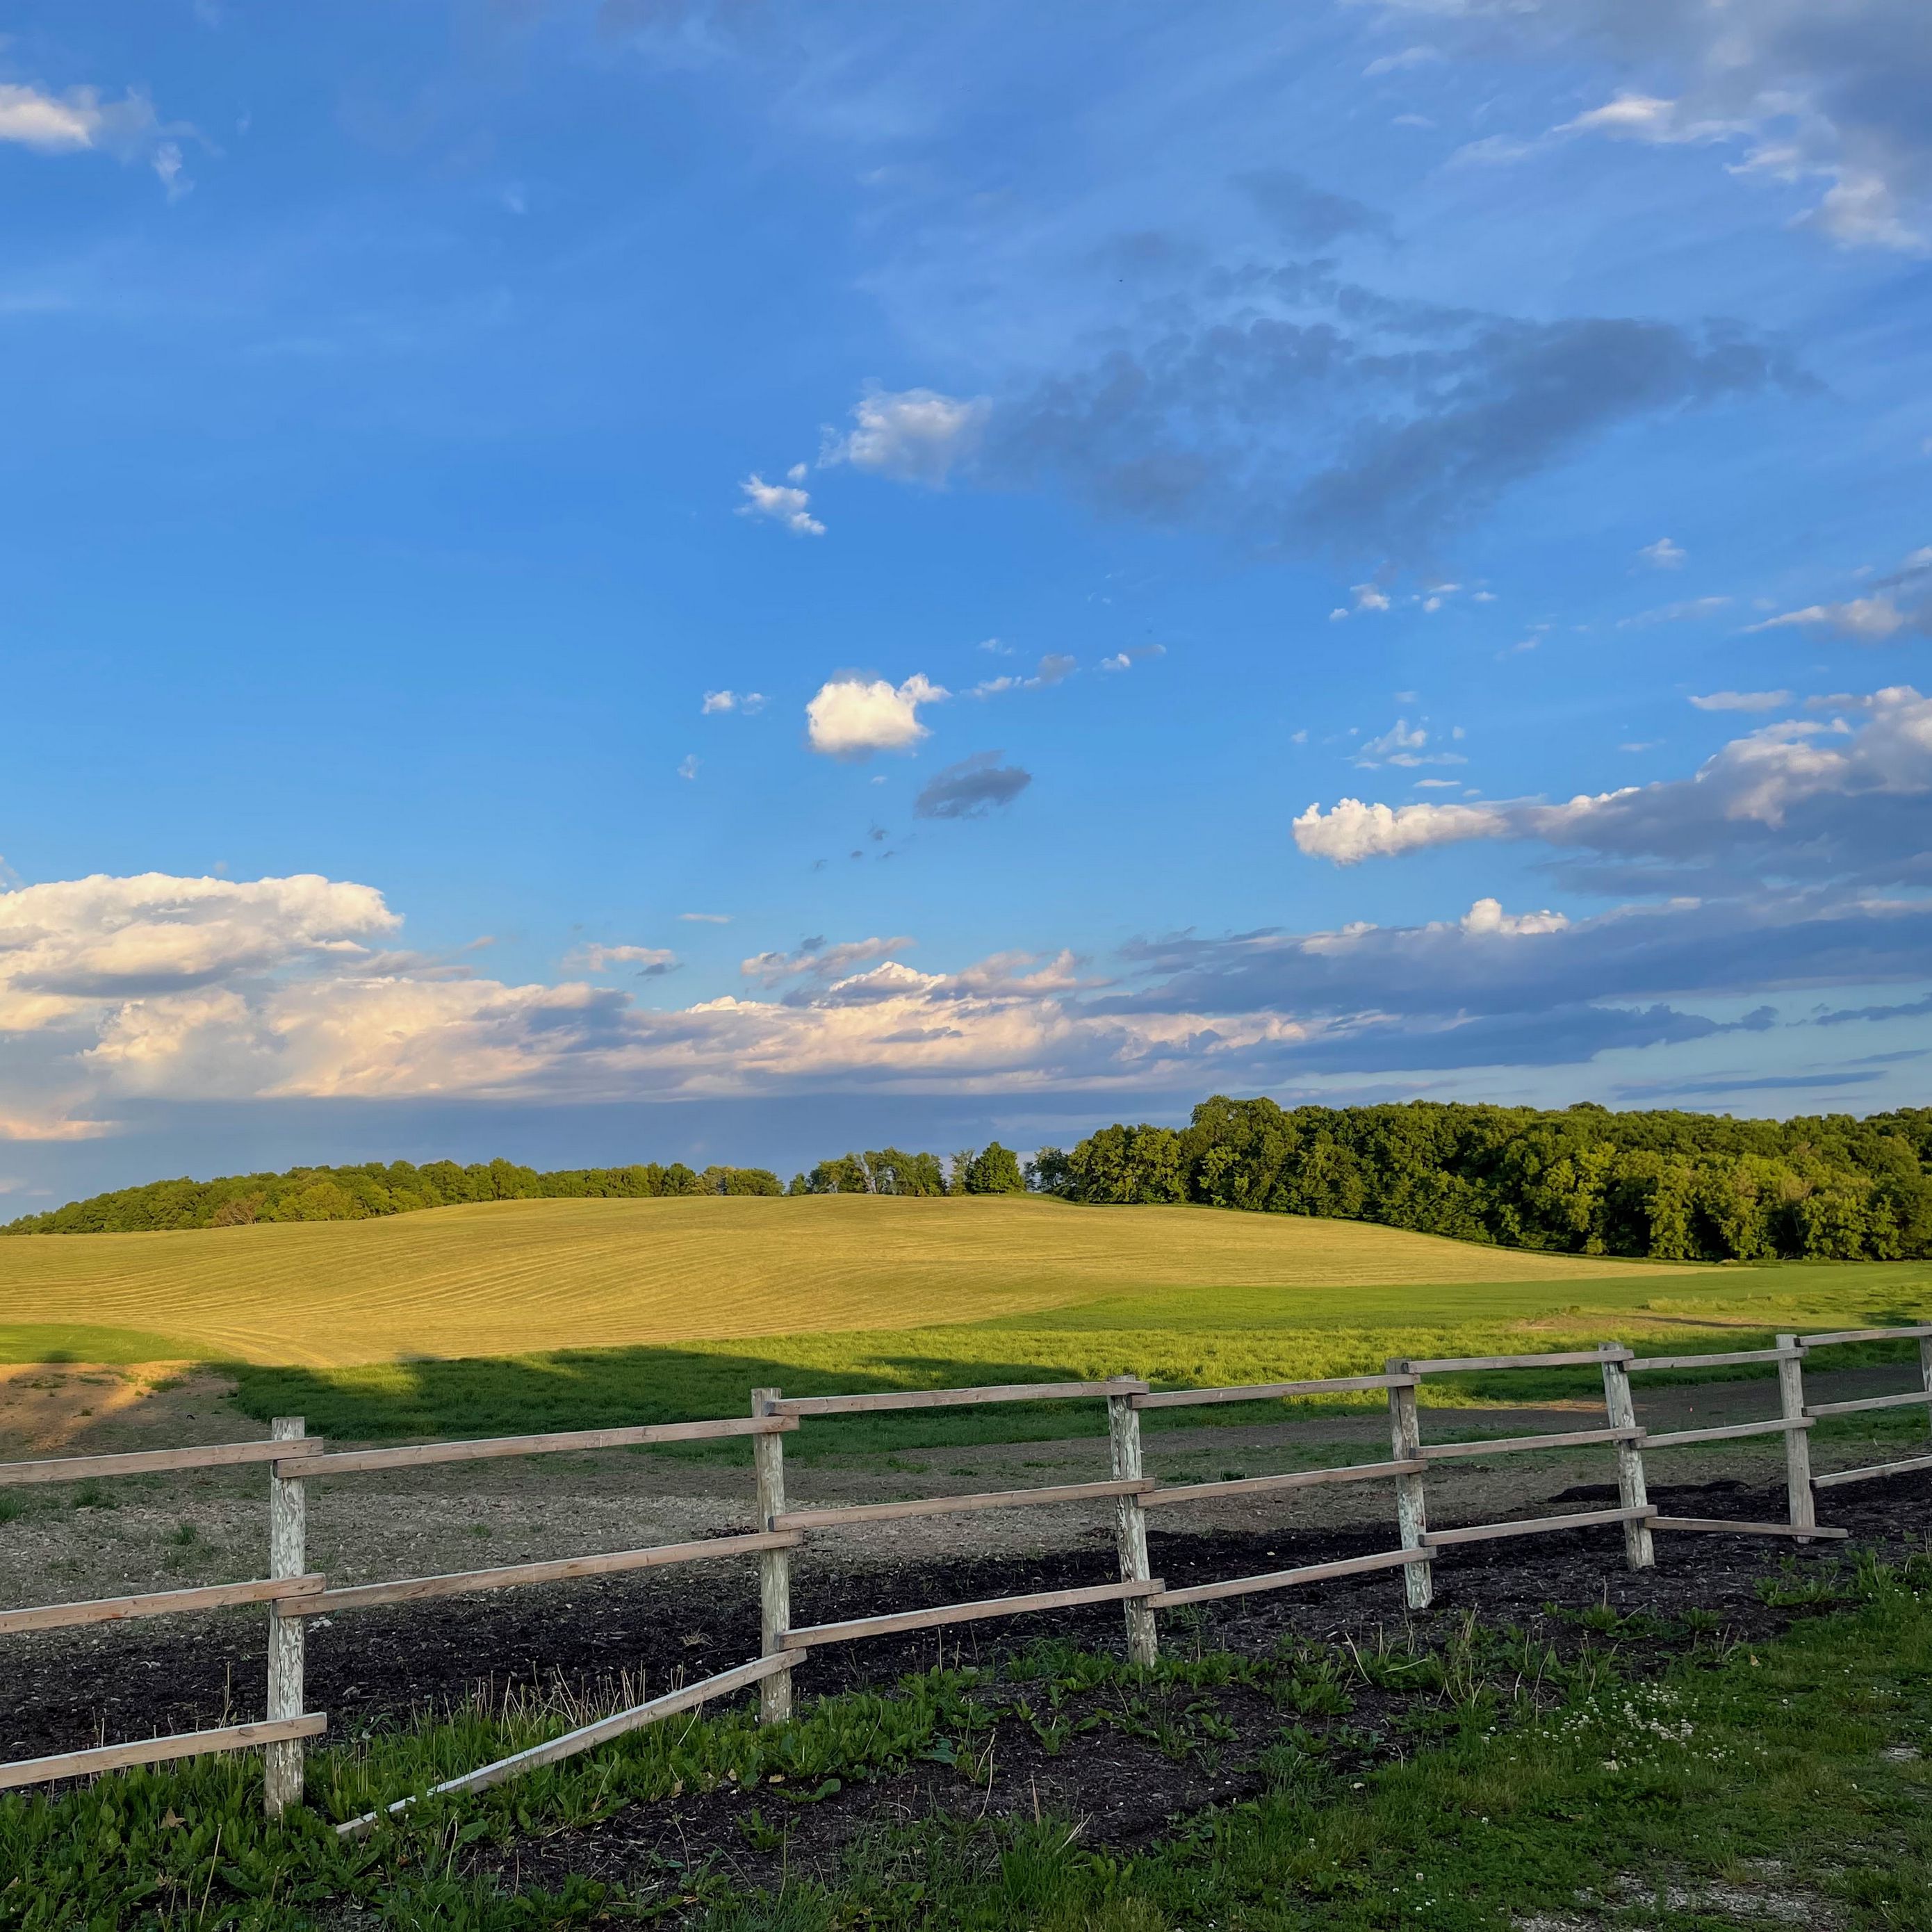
[(294, 1593)]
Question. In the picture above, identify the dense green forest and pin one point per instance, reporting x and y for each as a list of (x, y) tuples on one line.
[(1584, 1180), (359, 1193), (397, 1187)]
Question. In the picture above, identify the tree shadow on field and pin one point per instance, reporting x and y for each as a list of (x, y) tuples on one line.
[(607, 1388)]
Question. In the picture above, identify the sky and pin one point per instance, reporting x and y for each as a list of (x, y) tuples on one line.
[(725, 581)]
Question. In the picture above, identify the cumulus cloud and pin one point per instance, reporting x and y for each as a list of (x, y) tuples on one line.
[(162, 990), (1798, 797), (649, 962), (64, 945), (1488, 916), (1351, 830), (1472, 992), (1663, 554), (971, 788), (748, 702), (784, 504), (1134, 654), (852, 717), (1742, 700), (913, 435)]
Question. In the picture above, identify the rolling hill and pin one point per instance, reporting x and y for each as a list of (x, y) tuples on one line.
[(511, 1277)]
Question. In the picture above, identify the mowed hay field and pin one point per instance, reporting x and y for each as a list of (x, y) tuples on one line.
[(509, 1278)]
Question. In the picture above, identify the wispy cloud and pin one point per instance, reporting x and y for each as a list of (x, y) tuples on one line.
[(784, 504), (647, 962), (1742, 700), (1055, 667)]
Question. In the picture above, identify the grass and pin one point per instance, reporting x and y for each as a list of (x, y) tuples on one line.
[(1178, 1336), (1507, 1781), (559, 1314), (508, 1277)]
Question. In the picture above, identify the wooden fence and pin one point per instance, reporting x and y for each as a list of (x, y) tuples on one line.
[(293, 1594)]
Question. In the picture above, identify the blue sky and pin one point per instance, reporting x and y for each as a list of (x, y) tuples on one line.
[(725, 581)]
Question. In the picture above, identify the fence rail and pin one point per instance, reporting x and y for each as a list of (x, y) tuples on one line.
[(293, 1594)]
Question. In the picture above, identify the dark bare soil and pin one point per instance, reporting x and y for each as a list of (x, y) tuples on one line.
[(68, 1687), (1126, 1786)]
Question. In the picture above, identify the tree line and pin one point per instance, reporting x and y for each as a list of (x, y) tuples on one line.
[(399, 1187), (1673, 1186)]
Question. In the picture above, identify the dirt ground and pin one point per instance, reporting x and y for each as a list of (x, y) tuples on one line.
[(63, 1689), (610, 1639)]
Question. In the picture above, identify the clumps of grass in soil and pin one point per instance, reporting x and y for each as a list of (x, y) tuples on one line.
[(1389, 1778)]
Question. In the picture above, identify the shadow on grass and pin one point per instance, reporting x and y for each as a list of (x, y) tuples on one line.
[(606, 1388)]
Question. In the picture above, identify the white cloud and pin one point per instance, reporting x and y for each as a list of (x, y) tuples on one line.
[(1808, 795), (1055, 667), (1860, 211), (915, 436), (1400, 61), (1742, 700), (652, 962), (1663, 554), (81, 121), (1368, 597), (62, 946), (815, 960), (748, 703), (1870, 620), (853, 717), (1402, 744), (788, 506), (1351, 830), (171, 172), (1486, 916), (1650, 119), (51, 1126), (706, 918), (290, 1004), (1829, 97), (1134, 654), (1690, 609), (687, 766), (1900, 600)]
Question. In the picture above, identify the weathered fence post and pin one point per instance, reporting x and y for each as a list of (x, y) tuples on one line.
[(1123, 1441), (1797, 1442), (288, 1528), (1620, 1409), (774, 1565), (1925, 1371), (1412, 1509)]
